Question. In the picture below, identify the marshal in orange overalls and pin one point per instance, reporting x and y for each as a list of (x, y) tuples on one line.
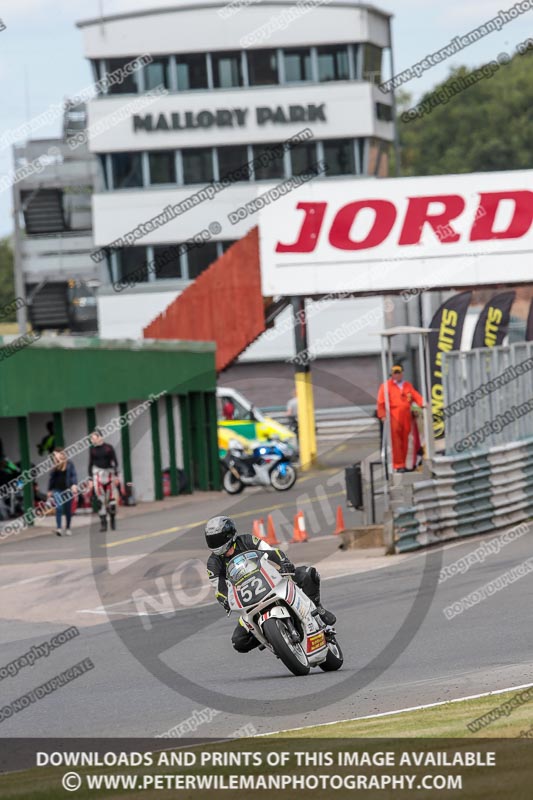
[(401, 395)]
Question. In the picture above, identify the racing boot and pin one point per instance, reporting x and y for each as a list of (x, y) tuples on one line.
[(103, 523), (327, 617), (309, 580), (112, 522)]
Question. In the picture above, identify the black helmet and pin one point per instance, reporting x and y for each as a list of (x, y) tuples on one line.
[(219, 533)]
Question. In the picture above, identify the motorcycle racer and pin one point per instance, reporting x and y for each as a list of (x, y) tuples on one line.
[(224, 542), (103, 471)]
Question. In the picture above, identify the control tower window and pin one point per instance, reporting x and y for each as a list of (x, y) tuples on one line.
[(156, 74), (227, 70), (303, 158), (372, 63), (232, 163), (263, 67), (162, 166), (128, 82), (133, 263), (127, 170), (339, 156), (197, 165), (199, 258), (297, 65), (167, 261), (268, 162), (192, 71), (333, 63)]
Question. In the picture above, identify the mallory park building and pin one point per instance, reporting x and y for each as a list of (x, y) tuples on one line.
[(230, 102)]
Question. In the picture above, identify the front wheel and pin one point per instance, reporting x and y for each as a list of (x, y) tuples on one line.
[(232, 484), (283, 477), (334, 659), (292, 654)]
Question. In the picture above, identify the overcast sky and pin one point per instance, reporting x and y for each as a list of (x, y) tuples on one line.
[(41, 59)]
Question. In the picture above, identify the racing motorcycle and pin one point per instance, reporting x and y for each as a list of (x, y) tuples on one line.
[(268, 465), (280, 615)]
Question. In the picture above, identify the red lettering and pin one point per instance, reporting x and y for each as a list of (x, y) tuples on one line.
[(310, 230), (519, 224), (385, 216), (417, 214)]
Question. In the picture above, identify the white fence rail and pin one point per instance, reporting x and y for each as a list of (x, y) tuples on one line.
[(488, 397)]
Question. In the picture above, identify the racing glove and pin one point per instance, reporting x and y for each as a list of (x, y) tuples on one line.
[(224, 603)]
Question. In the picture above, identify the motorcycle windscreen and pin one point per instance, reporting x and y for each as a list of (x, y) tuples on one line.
[(243, 565)]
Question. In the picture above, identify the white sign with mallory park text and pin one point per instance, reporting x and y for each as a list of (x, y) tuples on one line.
[(381, 235)]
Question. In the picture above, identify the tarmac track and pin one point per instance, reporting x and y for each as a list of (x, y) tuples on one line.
[(400, 650)]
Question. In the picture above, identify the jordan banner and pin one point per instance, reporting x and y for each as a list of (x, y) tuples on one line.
[(448, 322), (493, 321)]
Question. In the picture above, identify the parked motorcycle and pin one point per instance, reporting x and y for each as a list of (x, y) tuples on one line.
[(280, 615), (268, 465)]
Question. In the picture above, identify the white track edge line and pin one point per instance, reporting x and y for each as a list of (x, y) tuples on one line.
[(401, 710)]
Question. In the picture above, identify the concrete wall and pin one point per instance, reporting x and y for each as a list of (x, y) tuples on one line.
[(74, 429), (125, 314), (163, 433), (177, 427), (142, 465), (199, 27)]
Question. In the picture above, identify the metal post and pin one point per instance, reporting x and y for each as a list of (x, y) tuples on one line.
[(171, 432), (199, 441), (125, 444), (186, 440), (212, 435), (24, 452), (91, 419), (426, 392), (156, 451), (304, 386), (387, 433), (397, 149), (20, 291), (59, 436)]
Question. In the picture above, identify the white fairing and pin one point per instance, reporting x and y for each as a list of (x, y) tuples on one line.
[(285, 594)]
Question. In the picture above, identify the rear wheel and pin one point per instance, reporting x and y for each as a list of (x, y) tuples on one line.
[(283, 478), (232, 484), (292, 655), (334, 659)]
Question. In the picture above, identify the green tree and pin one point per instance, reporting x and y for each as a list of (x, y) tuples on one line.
[(485, 127), (7, 280)]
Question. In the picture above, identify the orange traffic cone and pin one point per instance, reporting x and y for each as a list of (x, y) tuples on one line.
[(271, 537), (300, 533), (340, 526), (258, 529)]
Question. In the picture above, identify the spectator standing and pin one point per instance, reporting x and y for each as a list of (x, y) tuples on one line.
[(62, 478), (402, 395)]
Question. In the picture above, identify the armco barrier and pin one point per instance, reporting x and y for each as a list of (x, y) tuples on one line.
[(474, 493)]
